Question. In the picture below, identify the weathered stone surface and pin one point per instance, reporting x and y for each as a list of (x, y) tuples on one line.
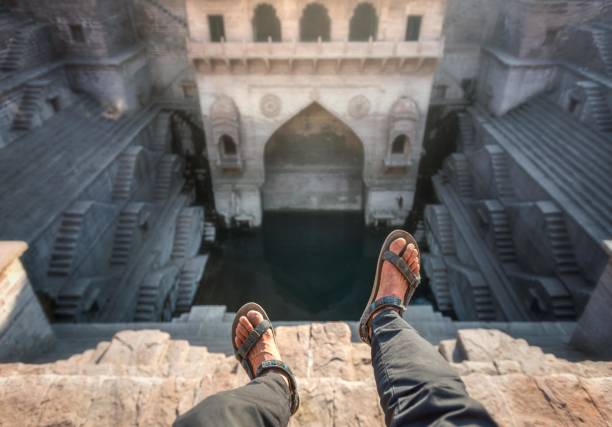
[(145, 379)]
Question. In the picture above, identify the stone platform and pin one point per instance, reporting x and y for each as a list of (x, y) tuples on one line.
[(147, 378)]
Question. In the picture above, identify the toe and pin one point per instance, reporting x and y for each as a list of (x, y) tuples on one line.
[(241, 332), (248, 326), (411, 253), (254, 317), (397, 245)]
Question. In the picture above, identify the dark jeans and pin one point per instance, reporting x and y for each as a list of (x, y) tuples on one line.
[(415, 384)]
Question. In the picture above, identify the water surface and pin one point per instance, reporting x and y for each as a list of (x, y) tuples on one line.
[(299, 266)]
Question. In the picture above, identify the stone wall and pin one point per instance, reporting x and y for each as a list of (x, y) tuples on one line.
[(24, 330), (105, 26), (164, 32)]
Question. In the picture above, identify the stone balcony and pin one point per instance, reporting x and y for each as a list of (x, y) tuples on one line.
[(285, 56)]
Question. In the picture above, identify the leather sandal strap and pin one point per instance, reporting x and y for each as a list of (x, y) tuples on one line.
[(278, 364), (399, 263), (252, 338), (366, 318)]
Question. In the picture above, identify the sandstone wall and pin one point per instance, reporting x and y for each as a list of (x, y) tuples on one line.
[(145, 378)]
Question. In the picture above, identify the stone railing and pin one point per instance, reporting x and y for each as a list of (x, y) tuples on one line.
[(24, 329), (316, 50)]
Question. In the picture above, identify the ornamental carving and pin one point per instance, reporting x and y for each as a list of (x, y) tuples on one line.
[(270, 105), (359, 107)]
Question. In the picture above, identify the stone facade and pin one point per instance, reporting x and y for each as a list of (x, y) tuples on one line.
[(363, 84), (520, 229)]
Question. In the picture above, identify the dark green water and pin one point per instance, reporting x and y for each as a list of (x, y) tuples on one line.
[(299, 266)]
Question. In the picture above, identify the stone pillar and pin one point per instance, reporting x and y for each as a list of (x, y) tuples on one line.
[(593, 334), (24, 329)]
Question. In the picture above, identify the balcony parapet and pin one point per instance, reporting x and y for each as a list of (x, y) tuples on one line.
[(231, 54)]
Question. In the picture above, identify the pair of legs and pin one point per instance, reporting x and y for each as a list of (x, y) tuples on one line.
[(415, 384)]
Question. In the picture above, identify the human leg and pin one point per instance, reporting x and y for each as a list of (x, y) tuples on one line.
[(270, 398), (415, 384), (264, 402)]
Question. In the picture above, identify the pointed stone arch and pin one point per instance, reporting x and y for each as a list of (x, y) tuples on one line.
[(404, 118), (224, 120), (364, 23), (315, 23), (314, 161), (266, 25)]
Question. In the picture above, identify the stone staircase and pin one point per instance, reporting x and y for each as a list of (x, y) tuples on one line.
[(466, 132), (189, 280), (168, 12), (17, 49), (599, 108), (501, 173), (563, 307), (210, 232), (165, 173), (502, 233), (562, 247), (65, 245), (483, 301), (162, 129), (124, 234), (603, 40), (440, 220), (569, 159), (157, 295), (464, 183), (147, 299), (188, 232), (124, 180), (438, 281), (30, 103)]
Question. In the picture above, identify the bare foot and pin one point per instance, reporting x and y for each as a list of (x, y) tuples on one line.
[(264, 349), (392, 282)]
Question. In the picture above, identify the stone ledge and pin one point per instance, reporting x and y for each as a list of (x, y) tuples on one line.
[(146, 378), (10, 251)]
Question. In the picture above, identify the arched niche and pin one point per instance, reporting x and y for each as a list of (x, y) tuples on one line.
[(404, 118), (364, 23), (266, 25), (399, 144), (315, 23), (225, 128)]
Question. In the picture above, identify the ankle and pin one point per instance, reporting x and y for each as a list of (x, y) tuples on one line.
[(280, 372), (378, 313)]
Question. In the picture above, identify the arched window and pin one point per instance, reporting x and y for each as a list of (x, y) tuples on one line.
[(364, 23), (399, 145), (315, 23), (266, 24), (229, 146)]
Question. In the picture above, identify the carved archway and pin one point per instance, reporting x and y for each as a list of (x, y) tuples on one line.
[(313, 162), (315, 23), (266, 25), (364, 23)]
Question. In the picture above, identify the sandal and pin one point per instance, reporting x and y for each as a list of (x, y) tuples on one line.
[(389, 301), (249, 343)]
